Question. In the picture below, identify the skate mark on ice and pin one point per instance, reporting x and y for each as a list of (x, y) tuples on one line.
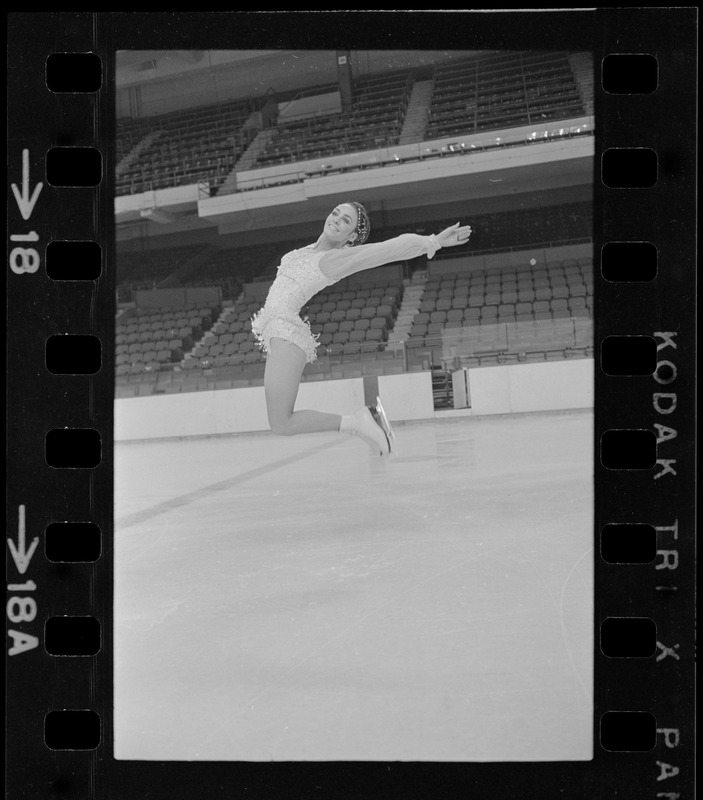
[(221, 486)]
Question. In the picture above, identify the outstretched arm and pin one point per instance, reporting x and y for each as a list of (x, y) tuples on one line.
[(338, 264)]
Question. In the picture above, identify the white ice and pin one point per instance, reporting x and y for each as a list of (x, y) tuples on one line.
[(301, 599)]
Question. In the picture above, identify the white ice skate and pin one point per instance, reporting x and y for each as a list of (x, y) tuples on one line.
[(371, 424), (379, 415)]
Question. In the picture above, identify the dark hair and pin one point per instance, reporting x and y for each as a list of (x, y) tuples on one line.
[(363, 223)]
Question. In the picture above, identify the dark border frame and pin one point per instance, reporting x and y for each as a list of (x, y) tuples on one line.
[(39, 401)]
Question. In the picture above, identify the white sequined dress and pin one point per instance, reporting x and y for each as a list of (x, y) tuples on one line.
[(304, 272)]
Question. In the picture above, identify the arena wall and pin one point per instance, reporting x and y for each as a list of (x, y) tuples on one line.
[(548, 386), (520, 388)]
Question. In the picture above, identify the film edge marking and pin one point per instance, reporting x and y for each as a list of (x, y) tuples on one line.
[(26, 605)]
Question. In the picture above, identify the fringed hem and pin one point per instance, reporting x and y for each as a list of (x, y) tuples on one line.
[(267, 324)]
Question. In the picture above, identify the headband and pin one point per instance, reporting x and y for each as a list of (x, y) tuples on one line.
[(363, 223)]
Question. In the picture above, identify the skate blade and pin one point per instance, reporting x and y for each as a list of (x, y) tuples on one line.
[(385, 424)]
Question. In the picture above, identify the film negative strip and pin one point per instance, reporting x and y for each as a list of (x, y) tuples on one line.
[(61, 282)]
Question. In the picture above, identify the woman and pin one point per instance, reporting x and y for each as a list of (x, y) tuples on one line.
[(287, 339)]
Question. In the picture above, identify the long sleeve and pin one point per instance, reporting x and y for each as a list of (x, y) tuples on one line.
[(338, 264)]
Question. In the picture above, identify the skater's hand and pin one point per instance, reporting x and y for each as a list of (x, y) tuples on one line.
[(454, 235)]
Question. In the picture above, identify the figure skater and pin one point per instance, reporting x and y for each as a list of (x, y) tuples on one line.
[(289, 343)]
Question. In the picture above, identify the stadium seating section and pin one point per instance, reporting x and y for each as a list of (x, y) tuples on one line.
[(502, 90), (507, 312), (149, 338), (181, 148), (146, 268), (484, 92), (467, 318), (534, 226), (463, 317), (374, 120)]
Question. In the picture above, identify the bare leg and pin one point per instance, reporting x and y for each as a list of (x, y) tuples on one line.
[(284, 367)]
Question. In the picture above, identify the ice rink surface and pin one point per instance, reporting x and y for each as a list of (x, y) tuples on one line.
[(298, 598)]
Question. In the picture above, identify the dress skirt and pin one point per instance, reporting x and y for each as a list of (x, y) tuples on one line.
[(270, 322)]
